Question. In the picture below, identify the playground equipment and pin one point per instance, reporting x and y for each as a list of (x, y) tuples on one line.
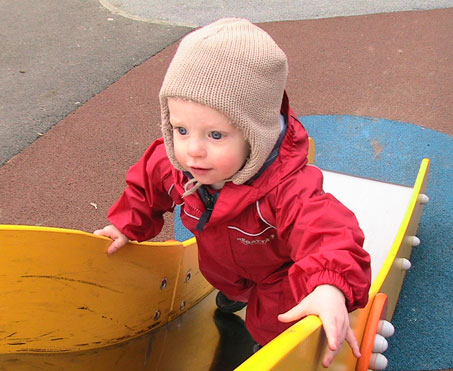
[(67, 305)]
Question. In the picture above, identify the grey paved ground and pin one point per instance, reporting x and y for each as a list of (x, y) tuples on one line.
[(200, 12), (55, 55)]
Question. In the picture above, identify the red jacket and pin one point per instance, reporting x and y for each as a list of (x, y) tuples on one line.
[(270, 242)]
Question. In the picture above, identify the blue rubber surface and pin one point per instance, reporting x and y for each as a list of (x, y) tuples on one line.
[(392, 151)]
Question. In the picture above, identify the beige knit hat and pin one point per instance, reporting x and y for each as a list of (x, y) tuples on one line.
[(236, 68)]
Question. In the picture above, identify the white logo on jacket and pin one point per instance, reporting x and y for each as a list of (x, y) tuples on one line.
[(264, 241)]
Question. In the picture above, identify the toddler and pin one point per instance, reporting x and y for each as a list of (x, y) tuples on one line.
[(234, 157)]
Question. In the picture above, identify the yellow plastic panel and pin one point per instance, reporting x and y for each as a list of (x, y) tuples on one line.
[(63, 293), (131, 355), (191, 285), (311, 150), (190, 342)]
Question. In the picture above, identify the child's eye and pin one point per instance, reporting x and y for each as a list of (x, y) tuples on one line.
[(216, 135), (181, 131)]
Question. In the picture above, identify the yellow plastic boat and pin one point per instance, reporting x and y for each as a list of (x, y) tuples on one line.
[(66, 305)]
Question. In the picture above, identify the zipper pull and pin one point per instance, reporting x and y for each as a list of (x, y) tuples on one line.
[(209, 203)]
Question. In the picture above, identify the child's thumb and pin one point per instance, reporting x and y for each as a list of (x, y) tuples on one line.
[(293, 314)]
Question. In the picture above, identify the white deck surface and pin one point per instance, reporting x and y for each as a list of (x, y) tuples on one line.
[(378, 206)]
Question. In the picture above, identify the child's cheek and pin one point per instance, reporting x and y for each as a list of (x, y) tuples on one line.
[(179, 153), (229, 163)]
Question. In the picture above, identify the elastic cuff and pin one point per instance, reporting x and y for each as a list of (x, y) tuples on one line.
[(327, 277)]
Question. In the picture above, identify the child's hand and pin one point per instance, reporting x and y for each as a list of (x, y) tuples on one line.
[(328, 303), (119, 239)]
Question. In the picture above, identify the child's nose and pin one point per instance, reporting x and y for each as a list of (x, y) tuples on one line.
[(196, 148)]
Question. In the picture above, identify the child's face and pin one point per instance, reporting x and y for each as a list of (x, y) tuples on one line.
[(206, 143)]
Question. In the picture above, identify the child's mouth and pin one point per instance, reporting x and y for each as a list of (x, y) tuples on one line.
[(199, 171)]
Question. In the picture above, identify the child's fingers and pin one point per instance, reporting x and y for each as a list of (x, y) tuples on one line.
[(352, 341), (329, 355), (115, 246), (336, 342), (336, 332), (332, 348)]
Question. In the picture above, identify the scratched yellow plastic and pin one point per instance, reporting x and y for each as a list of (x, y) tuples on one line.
[(60, 292)]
